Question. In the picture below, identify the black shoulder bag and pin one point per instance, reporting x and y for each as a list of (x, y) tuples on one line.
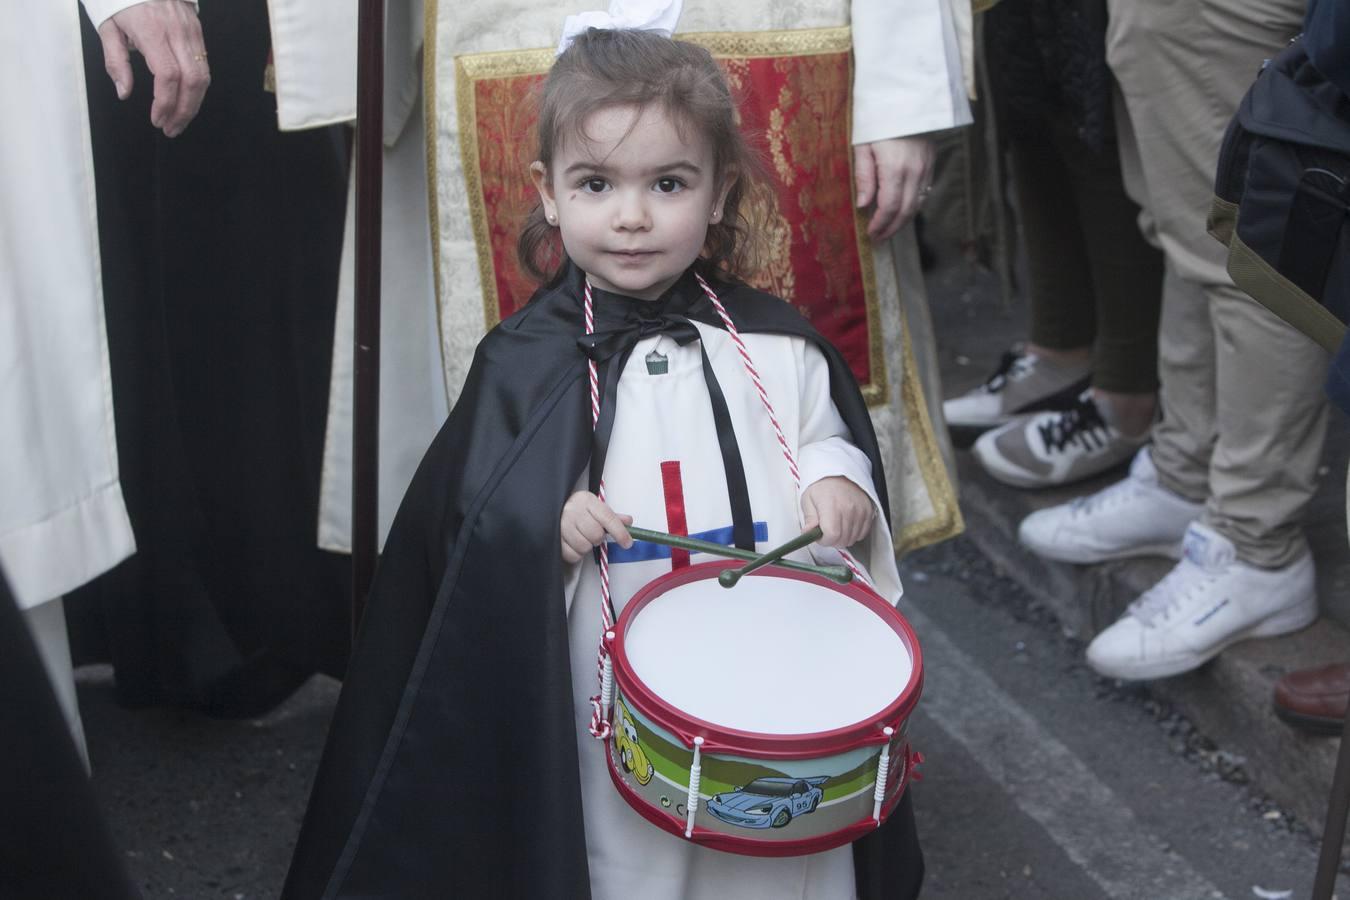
[(1282, 197)]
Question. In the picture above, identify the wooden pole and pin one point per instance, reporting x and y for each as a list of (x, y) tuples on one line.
[(1329, 860), (366, 388)]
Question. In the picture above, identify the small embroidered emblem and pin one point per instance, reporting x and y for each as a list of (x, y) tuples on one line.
[(657, 363)]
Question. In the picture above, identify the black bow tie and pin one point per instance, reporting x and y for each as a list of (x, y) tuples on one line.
[(621, 338)]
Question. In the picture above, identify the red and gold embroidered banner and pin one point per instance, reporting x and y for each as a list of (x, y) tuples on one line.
[(794, 103)]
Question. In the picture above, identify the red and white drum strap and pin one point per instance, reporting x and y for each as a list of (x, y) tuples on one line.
[(748, 364), (600, 704)]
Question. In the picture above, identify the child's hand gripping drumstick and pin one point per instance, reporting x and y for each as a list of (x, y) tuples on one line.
[(586, 519), (843, 511)]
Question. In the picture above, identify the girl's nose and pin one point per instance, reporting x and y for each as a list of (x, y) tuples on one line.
[(631, 212)]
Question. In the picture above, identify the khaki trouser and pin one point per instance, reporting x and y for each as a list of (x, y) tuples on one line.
[(1244, 415)]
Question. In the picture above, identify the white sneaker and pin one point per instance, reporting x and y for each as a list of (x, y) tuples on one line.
[(1050, 449), (1136, 516), (1208, 602), (1022, 383)]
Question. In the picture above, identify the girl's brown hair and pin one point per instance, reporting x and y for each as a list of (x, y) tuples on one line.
[(604, 68)]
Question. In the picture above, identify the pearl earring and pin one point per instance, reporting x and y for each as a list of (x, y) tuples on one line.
[(551, 218)]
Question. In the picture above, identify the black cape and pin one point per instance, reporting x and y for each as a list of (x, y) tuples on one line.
[(53, 838), (451, 765)]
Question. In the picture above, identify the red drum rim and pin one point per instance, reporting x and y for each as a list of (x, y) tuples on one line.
[(720, 738)]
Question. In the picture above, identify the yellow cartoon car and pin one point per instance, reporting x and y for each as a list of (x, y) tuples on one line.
[(628, 749)]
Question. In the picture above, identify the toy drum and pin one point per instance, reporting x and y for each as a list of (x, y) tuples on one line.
[(767, 719)]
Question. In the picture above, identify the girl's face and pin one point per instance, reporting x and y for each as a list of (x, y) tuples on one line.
[(633, 202)]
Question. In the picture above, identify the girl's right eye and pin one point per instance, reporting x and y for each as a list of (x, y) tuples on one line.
[(594, 185)]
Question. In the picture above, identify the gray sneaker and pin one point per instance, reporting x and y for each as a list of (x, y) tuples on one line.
[(1023, 383), (1053, 448)]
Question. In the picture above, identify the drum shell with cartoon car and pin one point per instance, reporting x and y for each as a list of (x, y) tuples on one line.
[(766, 789)]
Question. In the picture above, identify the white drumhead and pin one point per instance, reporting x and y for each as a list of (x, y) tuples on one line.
[(770, 655)]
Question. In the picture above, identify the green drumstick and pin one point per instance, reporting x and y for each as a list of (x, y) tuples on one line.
[(837, 574), (729, 577)]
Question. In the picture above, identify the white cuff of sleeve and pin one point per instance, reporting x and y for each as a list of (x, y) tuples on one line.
[(100, 11), (836, 457), (907, 77)]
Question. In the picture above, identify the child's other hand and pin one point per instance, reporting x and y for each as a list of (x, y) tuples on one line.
[(585, 522), (843, 511)]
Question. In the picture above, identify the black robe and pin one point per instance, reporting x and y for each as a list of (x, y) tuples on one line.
[(220, 253), (451, 765)]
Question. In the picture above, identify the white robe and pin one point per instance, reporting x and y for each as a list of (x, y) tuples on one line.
[(668, 417), (911, 73), (62, 517)]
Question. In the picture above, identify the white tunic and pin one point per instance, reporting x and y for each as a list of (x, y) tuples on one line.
[(667, 417), (62, 519)]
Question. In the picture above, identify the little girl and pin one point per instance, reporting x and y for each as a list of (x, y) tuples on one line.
[(643, 383)]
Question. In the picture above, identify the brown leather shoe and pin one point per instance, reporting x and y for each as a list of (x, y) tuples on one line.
[(1314, 699)]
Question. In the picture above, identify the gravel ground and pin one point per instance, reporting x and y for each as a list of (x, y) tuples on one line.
[(204, 808)]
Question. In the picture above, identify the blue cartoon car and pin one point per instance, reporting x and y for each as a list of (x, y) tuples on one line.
[(768, 802)]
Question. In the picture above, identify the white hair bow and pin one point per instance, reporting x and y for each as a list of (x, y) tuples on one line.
[(647, 15)]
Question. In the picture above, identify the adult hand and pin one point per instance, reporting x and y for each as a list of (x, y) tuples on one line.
[(168, 35), (843, 511), (893, 174)]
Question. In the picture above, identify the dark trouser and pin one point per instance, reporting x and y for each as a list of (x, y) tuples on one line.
[(220, 257), (1094, 281)]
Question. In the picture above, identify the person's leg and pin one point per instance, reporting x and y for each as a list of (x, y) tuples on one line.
[(1271, 410), (1182, 67), (1126, 273), (1184, 440), (1149, 512), (1060, 287), (1094, 293), (1053, 366), (1271, 424)]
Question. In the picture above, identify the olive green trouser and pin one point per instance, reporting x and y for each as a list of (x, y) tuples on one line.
[(1093, 279)]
